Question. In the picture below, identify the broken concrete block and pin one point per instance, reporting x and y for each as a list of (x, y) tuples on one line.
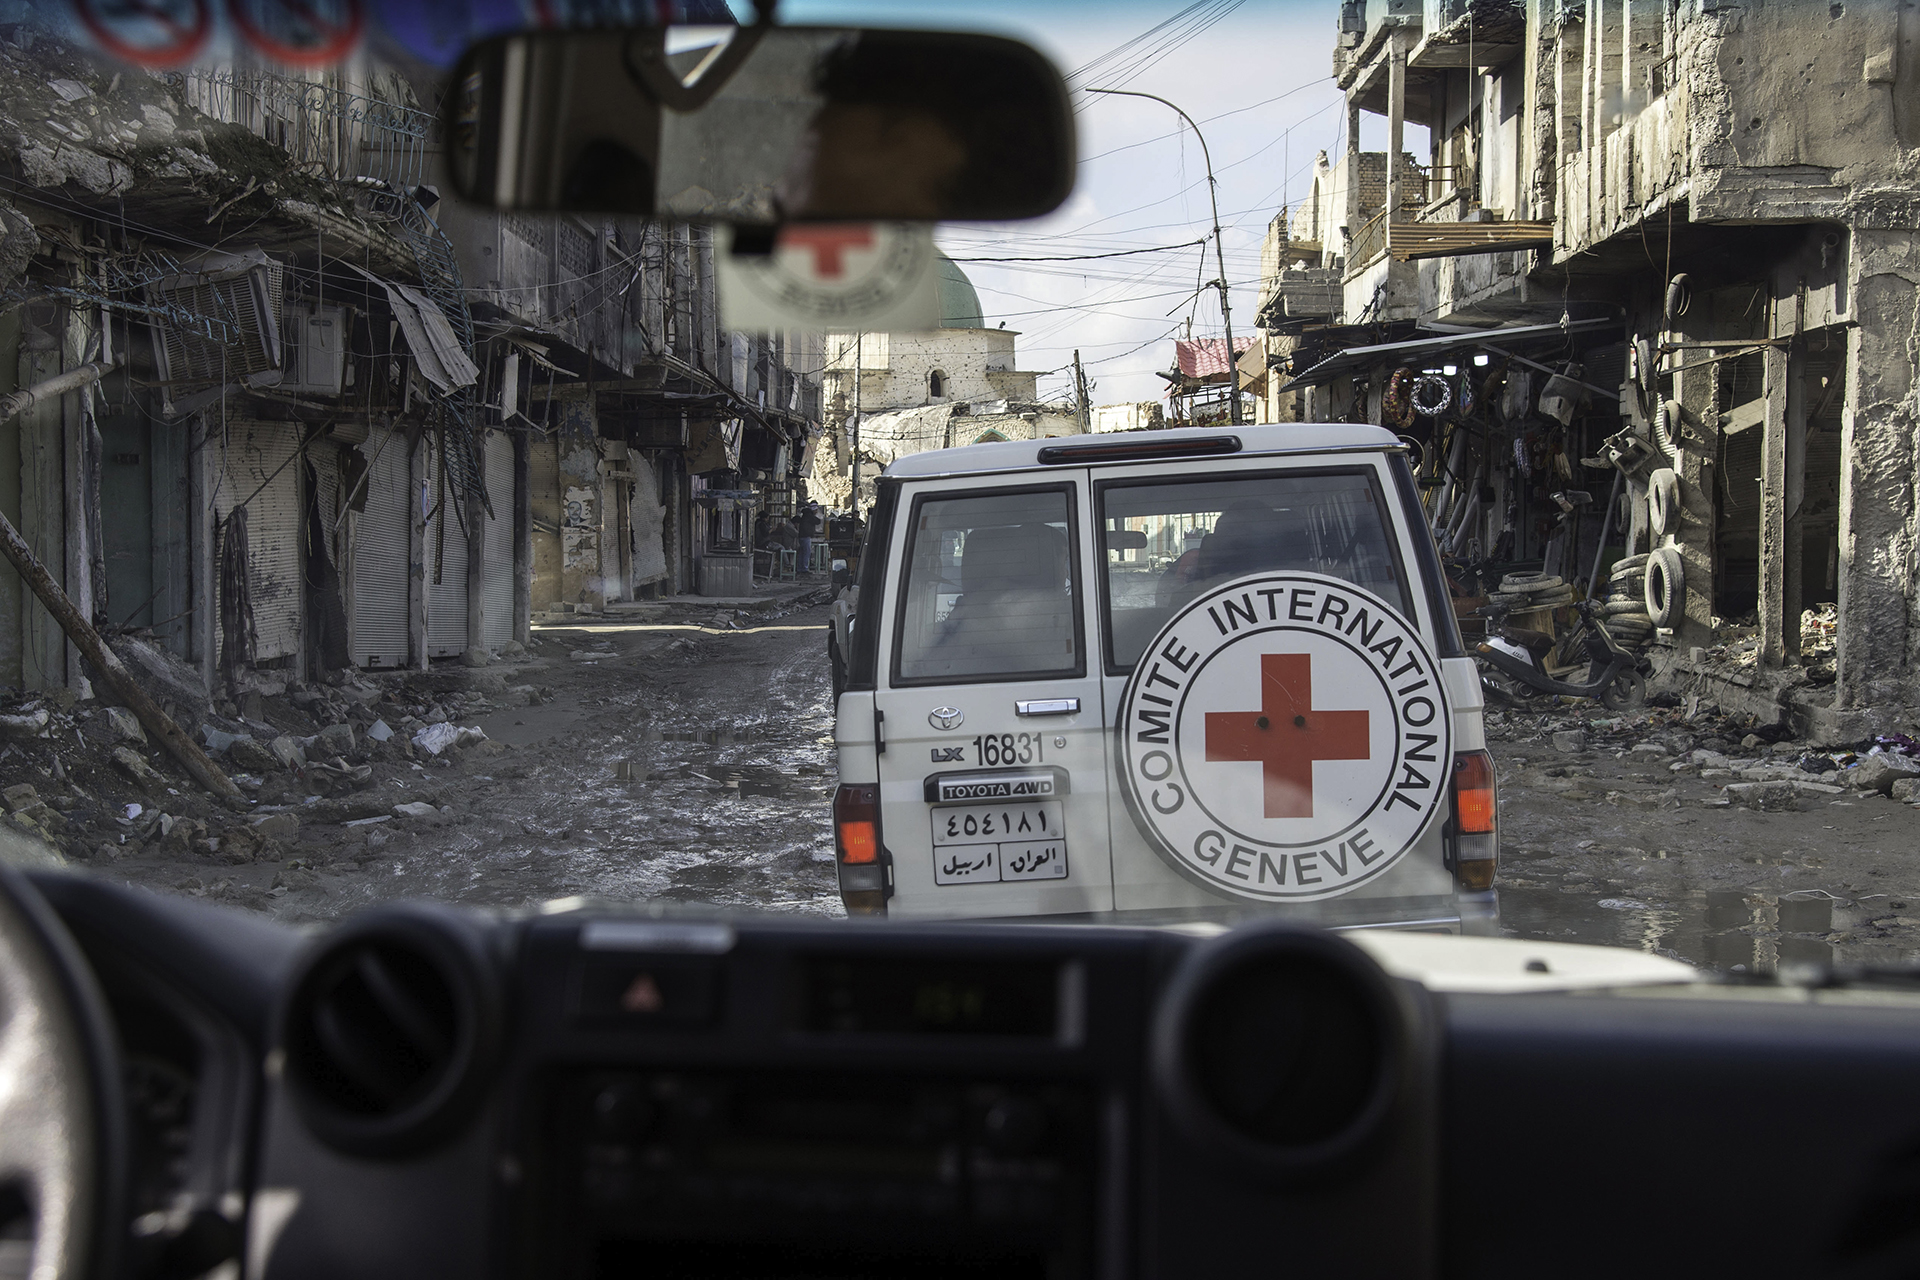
[(1879, 773), (419, 811), (470, 736), (31, 725), (522, 695), (135, 766), (218, 740), (1774, 796), (1753, 742), (166, 677), (1570, 740), (1647, 753), (1905, 790), (380, 731), (287, 752), (336, 740), (475, 657), (20, 796), (251, 754), (124, 725)]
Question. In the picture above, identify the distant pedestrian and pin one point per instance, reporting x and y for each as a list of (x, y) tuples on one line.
[(809, 526)]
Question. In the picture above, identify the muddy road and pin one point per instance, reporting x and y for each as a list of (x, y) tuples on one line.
[(686, 758)]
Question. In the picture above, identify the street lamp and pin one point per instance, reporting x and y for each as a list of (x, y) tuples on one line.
[(1219, 258)]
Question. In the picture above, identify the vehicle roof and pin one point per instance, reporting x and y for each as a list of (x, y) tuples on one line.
[(1013, 455)]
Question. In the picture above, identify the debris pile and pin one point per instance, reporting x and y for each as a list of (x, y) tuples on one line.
[(85, 781), (1761, 766)]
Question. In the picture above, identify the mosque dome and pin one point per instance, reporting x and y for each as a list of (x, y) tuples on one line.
[(959, 304)]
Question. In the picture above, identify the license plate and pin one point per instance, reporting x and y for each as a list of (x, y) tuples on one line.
[(995, 843)]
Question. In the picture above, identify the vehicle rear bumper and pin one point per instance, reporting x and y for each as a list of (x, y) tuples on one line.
[(1475, 913)]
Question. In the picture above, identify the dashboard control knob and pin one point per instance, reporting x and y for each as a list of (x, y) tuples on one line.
[(1015, 1126), (622, 1111)]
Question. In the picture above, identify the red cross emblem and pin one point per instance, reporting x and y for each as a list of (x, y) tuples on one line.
[(1287, 735), (828, 245)]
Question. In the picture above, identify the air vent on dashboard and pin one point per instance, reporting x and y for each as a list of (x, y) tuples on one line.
[(390, 1028), (1283, 1047)]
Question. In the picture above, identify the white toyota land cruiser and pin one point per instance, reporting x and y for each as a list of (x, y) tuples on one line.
[(1209, 670)]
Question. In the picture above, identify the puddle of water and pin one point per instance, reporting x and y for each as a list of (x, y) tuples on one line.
[(1727, 929), (711, 737)]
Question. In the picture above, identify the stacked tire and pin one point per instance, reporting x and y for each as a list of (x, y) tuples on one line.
[(1624, 612), (1524, 591)]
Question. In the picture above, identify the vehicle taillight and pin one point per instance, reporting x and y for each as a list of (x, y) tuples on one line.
[(862, 858), (1476, 815)]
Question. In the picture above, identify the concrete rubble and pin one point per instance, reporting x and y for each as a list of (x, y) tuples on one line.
[(80, 782)]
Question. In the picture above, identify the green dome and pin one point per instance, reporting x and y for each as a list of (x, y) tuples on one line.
[(959, 304)]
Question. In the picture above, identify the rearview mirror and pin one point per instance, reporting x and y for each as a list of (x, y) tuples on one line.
[(760, 125)]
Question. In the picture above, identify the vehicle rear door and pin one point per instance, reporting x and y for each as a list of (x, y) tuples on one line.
[(1175, 530), (993, 773)]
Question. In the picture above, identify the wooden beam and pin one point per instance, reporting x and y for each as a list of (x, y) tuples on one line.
[(1407, 241)]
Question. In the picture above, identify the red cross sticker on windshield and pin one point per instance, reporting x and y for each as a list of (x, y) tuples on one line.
[(1287, 735), (828, 245)]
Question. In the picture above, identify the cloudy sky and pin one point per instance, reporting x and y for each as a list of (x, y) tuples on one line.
[(1255, 74)]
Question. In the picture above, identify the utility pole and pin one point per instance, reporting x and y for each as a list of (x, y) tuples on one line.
[(1080, 382), (1219, 256), (853, 431)]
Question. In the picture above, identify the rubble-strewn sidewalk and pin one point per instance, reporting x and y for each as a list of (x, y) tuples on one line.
[(498, 784), (1683, 830)]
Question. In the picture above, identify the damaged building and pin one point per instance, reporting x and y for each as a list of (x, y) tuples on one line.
[(340, 424), (1649, 300)]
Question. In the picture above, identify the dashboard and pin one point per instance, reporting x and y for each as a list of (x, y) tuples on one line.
[(424, 1090)]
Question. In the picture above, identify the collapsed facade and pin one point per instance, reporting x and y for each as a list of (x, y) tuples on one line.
[(1693, 226), (343, 425)]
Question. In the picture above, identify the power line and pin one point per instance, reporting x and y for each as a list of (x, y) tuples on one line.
[(1087, 257)]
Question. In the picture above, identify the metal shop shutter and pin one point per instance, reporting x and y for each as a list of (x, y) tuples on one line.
[(380, 555), (259, 471), (498, 606), (446, 563)]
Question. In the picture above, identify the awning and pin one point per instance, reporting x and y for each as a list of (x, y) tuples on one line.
[(1355, 359), (437, 351)]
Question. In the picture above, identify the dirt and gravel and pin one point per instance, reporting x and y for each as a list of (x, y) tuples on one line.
[(684, 755), (1680, 831)]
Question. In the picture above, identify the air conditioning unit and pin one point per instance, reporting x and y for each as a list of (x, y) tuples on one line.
[(218, 322), (315, 339)]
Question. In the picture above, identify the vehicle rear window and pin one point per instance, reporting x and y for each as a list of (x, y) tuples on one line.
[(989, 591), (1168, 542)]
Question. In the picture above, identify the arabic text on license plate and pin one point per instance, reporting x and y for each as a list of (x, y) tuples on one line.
[(988, 844)]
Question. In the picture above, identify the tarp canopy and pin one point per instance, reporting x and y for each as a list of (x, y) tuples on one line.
[(1357, 359)]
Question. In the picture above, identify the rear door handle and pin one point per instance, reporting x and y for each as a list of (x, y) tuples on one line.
[(1048, 707)]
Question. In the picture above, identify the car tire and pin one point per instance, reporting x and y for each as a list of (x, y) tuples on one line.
[(1627, 564), (1530, 582), (1623, 607), (1663, 501), (1628, 692), (1666, 590)]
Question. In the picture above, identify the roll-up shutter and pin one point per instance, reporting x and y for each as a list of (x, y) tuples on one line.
[(446, 563), (499, 541), (259, 471), (380, 555)]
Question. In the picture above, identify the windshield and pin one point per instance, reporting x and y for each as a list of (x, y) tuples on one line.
[(502, 558)]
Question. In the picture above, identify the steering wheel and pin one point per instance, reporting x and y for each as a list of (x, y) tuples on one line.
[(62, 1120)]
